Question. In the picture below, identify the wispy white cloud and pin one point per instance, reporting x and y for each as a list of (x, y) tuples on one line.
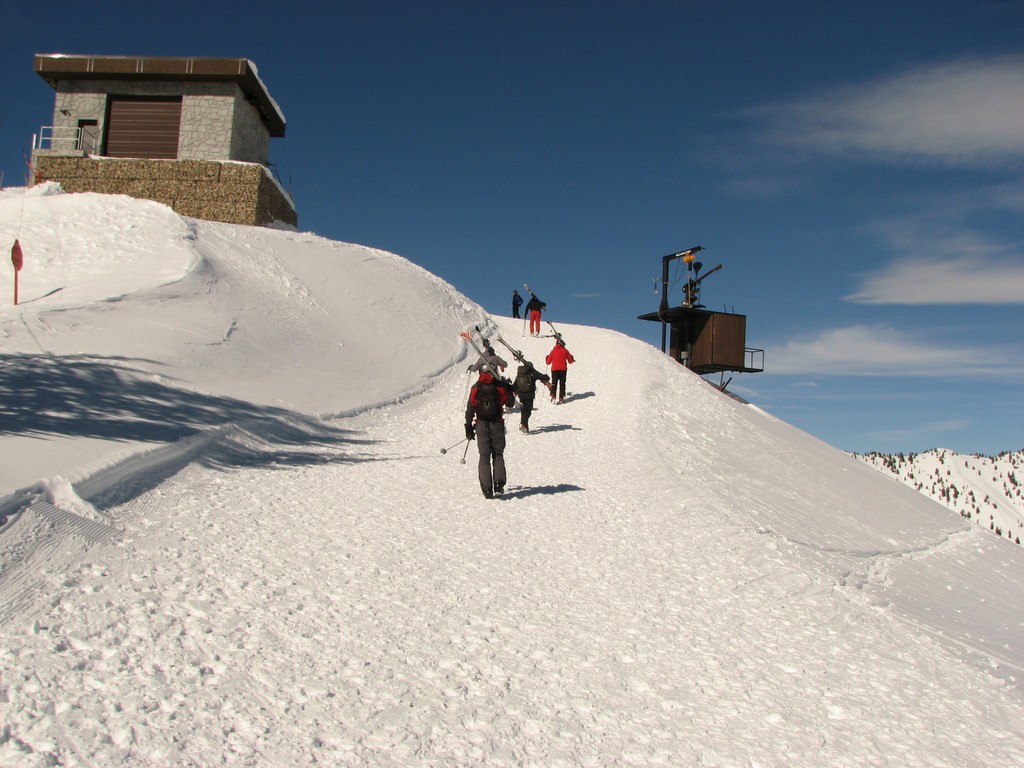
[(966, 113), (864, 350), (943, 281), (940, 260)]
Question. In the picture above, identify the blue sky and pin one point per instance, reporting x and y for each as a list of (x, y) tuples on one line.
[(856, 167)]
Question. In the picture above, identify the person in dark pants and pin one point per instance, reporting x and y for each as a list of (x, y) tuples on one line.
[(559, 359), (486, 403), (517, 302), (526, 389)]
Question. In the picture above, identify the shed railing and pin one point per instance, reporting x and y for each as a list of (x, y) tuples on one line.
[(56, 138), (753, 360)]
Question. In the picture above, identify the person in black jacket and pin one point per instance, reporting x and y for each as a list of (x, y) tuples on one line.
[(526, 389), (517, 302), (533, 309)]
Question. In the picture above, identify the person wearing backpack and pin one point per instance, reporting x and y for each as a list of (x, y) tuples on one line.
[(559, 359), (486, 404), (526, 389)]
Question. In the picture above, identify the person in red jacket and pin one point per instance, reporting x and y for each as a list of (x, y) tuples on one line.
[(486, 403), (559, 359)]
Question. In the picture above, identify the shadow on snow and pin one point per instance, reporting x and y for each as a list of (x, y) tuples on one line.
[(113, 399), (577, 396), (553, 428), (545, 490)]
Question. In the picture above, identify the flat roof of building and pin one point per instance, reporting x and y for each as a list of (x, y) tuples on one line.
[(53, 67), (672, 314)]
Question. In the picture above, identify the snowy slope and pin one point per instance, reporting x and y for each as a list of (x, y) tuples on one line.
[(261, 556), (279, 320)]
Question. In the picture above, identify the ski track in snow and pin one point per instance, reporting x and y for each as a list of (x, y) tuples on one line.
[(597, 615)]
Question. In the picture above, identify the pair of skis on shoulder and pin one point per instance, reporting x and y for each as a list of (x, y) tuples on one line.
[(476, 347), (554, 331), (498, 337)]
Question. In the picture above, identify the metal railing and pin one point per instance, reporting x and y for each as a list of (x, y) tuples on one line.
[(754, 359), (58, 138)]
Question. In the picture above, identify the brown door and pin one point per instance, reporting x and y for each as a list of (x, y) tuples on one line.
[(143, 127)]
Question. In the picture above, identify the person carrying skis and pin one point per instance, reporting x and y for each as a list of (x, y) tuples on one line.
[(533, 309), (486, 403), (489, 357), (517, 302), (559, 358), (526, 389)]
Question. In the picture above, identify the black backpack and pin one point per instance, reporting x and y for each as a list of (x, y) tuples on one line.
[(488, 402), (525, 383)]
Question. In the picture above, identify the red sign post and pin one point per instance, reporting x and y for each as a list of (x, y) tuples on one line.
[(17, 259)]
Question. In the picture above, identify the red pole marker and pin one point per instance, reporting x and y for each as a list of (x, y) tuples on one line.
[(17, 259)]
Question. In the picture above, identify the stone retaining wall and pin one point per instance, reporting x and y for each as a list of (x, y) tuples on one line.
[(233, 192)]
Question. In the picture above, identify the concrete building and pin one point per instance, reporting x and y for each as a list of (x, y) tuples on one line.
[(193, 133)]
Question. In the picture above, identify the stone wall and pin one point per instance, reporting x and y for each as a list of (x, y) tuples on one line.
[(236, 193), (205, 131), (250, 140)]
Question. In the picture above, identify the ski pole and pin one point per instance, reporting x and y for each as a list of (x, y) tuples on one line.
[(469, 381), (463, 460), (445, 450)]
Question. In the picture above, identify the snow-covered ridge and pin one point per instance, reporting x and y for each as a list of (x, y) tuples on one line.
[(983, 489)]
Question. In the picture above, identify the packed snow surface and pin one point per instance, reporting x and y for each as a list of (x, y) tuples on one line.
[(231, 536)]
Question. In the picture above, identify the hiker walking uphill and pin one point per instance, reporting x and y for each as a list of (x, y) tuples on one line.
[(490, 357), (526, 389), (517, 302), (486, 404), (533, 309), (559, 358)]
